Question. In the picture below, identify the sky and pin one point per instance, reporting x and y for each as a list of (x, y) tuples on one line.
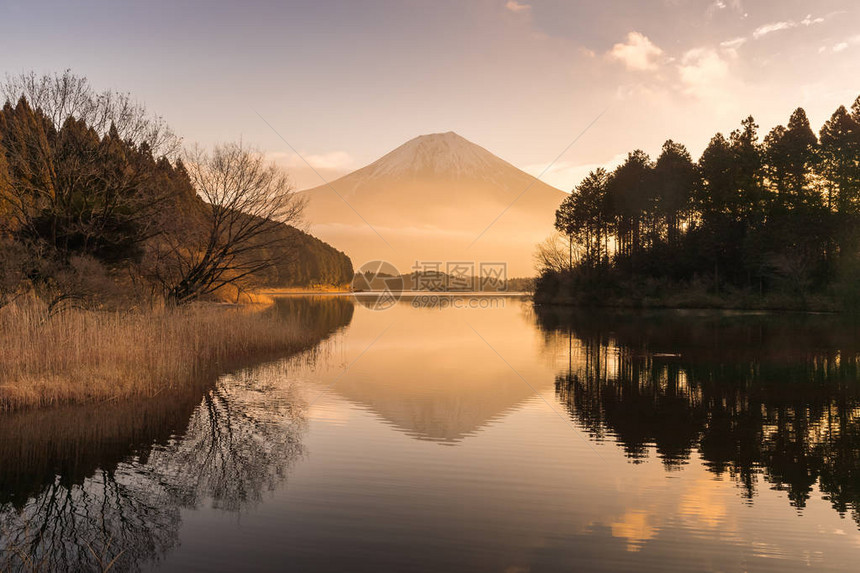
[(340, 83)]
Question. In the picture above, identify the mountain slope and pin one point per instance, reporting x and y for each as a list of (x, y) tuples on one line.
[(298, 258), (429, 200)]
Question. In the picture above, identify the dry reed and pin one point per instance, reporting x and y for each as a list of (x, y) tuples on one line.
[(90, 356)]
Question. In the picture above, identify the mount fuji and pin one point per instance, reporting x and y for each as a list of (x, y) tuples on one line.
[(436, 198)]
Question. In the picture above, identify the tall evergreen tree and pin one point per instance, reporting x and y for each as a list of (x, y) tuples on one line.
[(747, 173), (592, 205), (840, 150), (630, 194), (791, 157), (674, 180)]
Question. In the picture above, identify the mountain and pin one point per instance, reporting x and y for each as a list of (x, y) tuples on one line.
[(429, 200)]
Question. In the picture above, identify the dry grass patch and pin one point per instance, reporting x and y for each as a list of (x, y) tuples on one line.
[(87, 356)]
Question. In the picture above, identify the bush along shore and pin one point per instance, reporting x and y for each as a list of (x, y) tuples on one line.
[(771, 223)]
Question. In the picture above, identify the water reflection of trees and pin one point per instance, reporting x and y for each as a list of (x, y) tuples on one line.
[(239, 443), (323, 315), (757, 397), (85, 488)]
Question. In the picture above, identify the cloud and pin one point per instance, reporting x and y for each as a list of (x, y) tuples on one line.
[(763, 31), (335, 160), (841, 46), (310, 170), (766, 29), (809, 20), (732, 46), (515, 6), (720, 5), (703, 73), (637, 53)]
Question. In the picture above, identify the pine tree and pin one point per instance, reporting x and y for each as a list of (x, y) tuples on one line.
[(631, 194), (674, 180), (840, 150)]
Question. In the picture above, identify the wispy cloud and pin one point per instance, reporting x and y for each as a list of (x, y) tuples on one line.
[(720, 5), (732, 46), (330, 165), (336, 160), (515, 6), (841, 46), (766, 29), (637, 53), (809, 20)]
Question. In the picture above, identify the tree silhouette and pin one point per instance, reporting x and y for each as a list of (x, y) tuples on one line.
[(674, 180), (775, 216)]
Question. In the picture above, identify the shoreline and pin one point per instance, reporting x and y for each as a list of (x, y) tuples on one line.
[(816, 305), (748, 310), (406, 293)]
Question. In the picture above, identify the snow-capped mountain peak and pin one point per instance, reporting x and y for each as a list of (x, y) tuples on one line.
[(437, 154), (430, 198)]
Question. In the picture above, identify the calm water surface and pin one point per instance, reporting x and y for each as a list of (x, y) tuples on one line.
[(480, 436)]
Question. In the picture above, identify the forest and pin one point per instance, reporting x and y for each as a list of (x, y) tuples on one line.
[(102, 205), (764, 222)]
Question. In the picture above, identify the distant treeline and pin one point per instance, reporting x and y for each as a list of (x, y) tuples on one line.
[(96, 201), (778, 216)]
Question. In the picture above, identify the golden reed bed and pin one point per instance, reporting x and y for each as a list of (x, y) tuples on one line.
[(81, 356)]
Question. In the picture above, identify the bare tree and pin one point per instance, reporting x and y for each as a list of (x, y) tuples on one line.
[(61, 96), (556, 254), (247, 203)]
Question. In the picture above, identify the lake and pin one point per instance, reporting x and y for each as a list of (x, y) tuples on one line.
[(465, 434)]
